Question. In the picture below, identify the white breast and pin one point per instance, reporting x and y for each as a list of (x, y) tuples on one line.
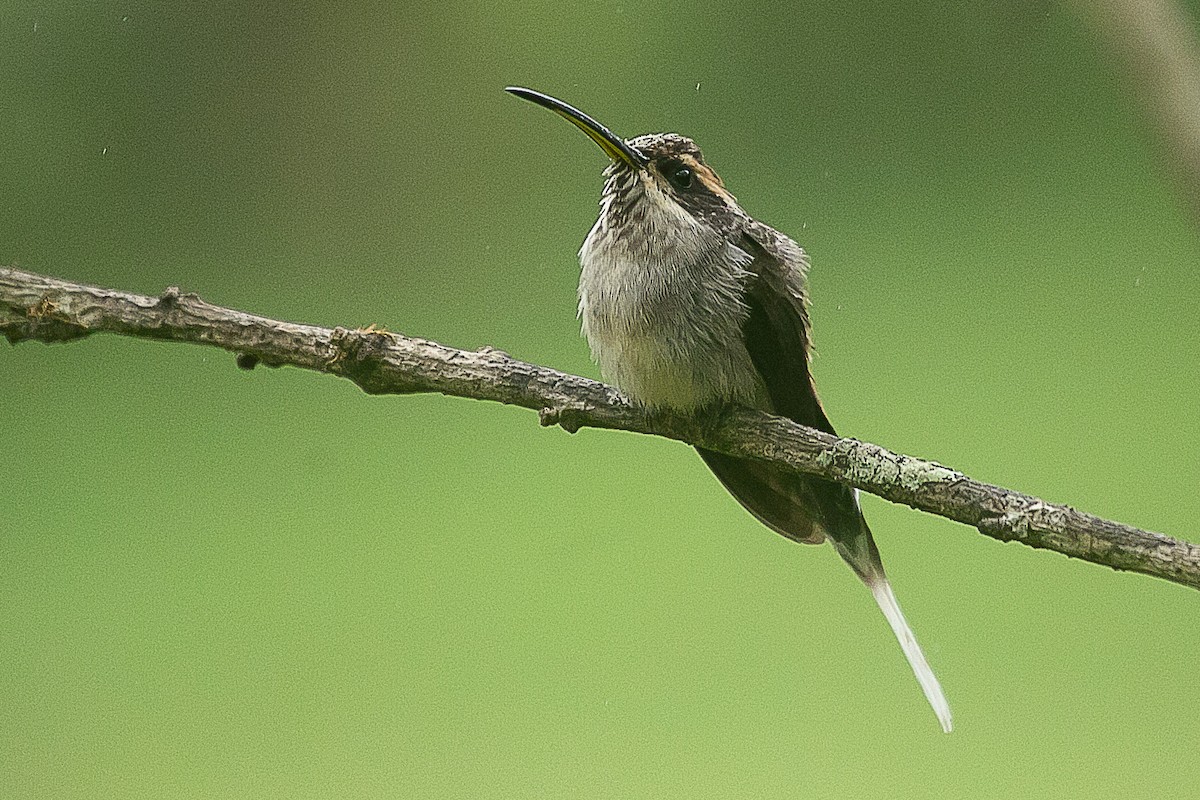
[(662, 311)]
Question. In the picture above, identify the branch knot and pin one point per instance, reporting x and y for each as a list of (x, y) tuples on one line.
[(569, 418)]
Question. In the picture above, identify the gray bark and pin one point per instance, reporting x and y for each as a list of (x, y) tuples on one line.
[(34, 307)]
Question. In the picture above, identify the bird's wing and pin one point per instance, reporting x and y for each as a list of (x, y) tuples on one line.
[(776, 331)]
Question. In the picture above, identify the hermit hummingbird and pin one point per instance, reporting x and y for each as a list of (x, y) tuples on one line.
[(687, 304)]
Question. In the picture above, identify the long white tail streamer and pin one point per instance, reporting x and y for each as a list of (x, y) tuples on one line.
[(886, 598)]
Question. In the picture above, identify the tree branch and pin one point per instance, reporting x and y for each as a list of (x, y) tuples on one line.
[(34, 307)]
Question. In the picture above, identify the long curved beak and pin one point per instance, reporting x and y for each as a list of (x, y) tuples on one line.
[(613, 146)]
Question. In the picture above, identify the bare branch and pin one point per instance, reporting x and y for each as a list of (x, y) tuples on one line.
[(45, 309)]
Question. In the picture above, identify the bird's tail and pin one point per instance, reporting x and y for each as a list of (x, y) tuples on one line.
[(886, 598), (808, 509), (866, 564)]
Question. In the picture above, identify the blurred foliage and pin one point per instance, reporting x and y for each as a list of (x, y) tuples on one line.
[(216, 583)]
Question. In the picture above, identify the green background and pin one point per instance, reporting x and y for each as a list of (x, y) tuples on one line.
[(217, 583)]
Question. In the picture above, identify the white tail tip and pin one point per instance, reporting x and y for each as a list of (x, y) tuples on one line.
[(886, 598)]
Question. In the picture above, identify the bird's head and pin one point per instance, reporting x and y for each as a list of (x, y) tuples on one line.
[(652, 176)]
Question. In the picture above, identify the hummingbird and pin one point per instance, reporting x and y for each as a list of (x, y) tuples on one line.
[(688, 303)]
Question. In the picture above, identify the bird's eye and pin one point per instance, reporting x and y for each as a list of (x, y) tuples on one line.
[(680, 177)]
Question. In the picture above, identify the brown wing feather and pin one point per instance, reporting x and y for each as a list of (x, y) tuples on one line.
[(800, 507)]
